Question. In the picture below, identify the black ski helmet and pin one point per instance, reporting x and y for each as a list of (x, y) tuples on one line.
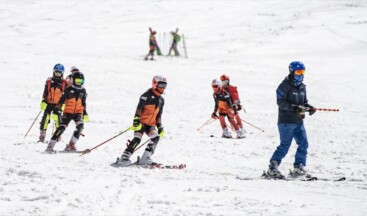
[(78, 78)]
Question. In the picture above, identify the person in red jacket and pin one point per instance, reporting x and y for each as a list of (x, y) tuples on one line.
[(147, 120), (223, 105), (235, 98)]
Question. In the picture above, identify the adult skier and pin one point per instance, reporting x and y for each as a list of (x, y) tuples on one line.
[(53, 89), (74, 98), (235, 98), (147, 120), (223, 105), (293, 103), (69, 78)]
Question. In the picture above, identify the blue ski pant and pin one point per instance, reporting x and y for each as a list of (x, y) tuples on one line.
[(287, 132)]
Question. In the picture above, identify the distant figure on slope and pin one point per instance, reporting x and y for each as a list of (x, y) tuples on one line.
[(293, 103), (152, 46), (235, 99), (53, 89), (69, 78), (147, 118), (175, 39), (74, 98), (223, 105)]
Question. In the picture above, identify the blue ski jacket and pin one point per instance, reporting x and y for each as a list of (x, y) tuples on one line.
[(289, 95)]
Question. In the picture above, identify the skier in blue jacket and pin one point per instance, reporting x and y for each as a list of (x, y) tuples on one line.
[(293, 103)]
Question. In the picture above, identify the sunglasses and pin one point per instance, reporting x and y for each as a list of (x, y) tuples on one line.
[(162, 85), (299, 72), (79, 81)]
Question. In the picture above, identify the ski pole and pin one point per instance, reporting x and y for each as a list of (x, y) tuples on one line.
[(32, 124), (89, 150), (206, 123), (252, 125), (326, 109)]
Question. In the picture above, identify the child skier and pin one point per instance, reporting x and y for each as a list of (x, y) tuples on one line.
[(147, 118), (152, 46), (223, 105), (69, 78), (74, 98), (235, 99), (175, 39), (53, 89)]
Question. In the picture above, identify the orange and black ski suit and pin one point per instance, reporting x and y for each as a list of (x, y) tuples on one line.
[(149, 110), (75, 108), (52, 92), (223, 105)]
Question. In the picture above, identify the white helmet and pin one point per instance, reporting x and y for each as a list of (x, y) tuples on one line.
[(159, 81), (216, 83)]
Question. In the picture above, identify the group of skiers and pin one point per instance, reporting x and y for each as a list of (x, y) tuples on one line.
[(65, 100), (153, 45)]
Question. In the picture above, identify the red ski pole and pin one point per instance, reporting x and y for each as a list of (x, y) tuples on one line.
[(206, 123), (253, 125), (326, 109), (89, 150)]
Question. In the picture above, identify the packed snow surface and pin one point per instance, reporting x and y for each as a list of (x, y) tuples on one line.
[(251, 41)]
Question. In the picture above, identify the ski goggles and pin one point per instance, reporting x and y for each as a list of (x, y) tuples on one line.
[(58, 71), (79, 81), (162, 85), (215, 86), (299, 72)]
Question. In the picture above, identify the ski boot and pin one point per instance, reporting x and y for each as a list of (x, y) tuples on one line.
[(299, 170), (70, 147), (273, 172), (50, 147), (124, 161), (146, 159), (226, 133), (240, 134), (42, 136)]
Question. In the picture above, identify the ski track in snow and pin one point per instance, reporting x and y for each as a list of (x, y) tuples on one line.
[(252, 41)]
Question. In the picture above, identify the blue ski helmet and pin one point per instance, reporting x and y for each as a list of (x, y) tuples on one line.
[(58, 70), (296, 65)]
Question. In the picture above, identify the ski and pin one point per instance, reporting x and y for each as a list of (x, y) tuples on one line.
[(307, 177), (149, 166)]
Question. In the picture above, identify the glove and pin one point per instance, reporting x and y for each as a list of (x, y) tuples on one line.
[(311, 109), (232, 111), (136, 123), (86, 118), (43, 105), (239, 107), (161, 131), (214, 115)]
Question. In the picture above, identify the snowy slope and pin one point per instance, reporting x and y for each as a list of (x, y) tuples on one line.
[(252, 41)]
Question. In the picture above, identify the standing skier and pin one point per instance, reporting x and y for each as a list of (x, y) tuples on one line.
[(293, 103), (223, 105), (74, 98), (235, 98), (69, 78), (175, 39), (152, 46), (147, 118), (53, 89)]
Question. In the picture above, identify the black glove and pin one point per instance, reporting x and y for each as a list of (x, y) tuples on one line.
[(239, 107), (311, 109), (136, 121), (300, 110)]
